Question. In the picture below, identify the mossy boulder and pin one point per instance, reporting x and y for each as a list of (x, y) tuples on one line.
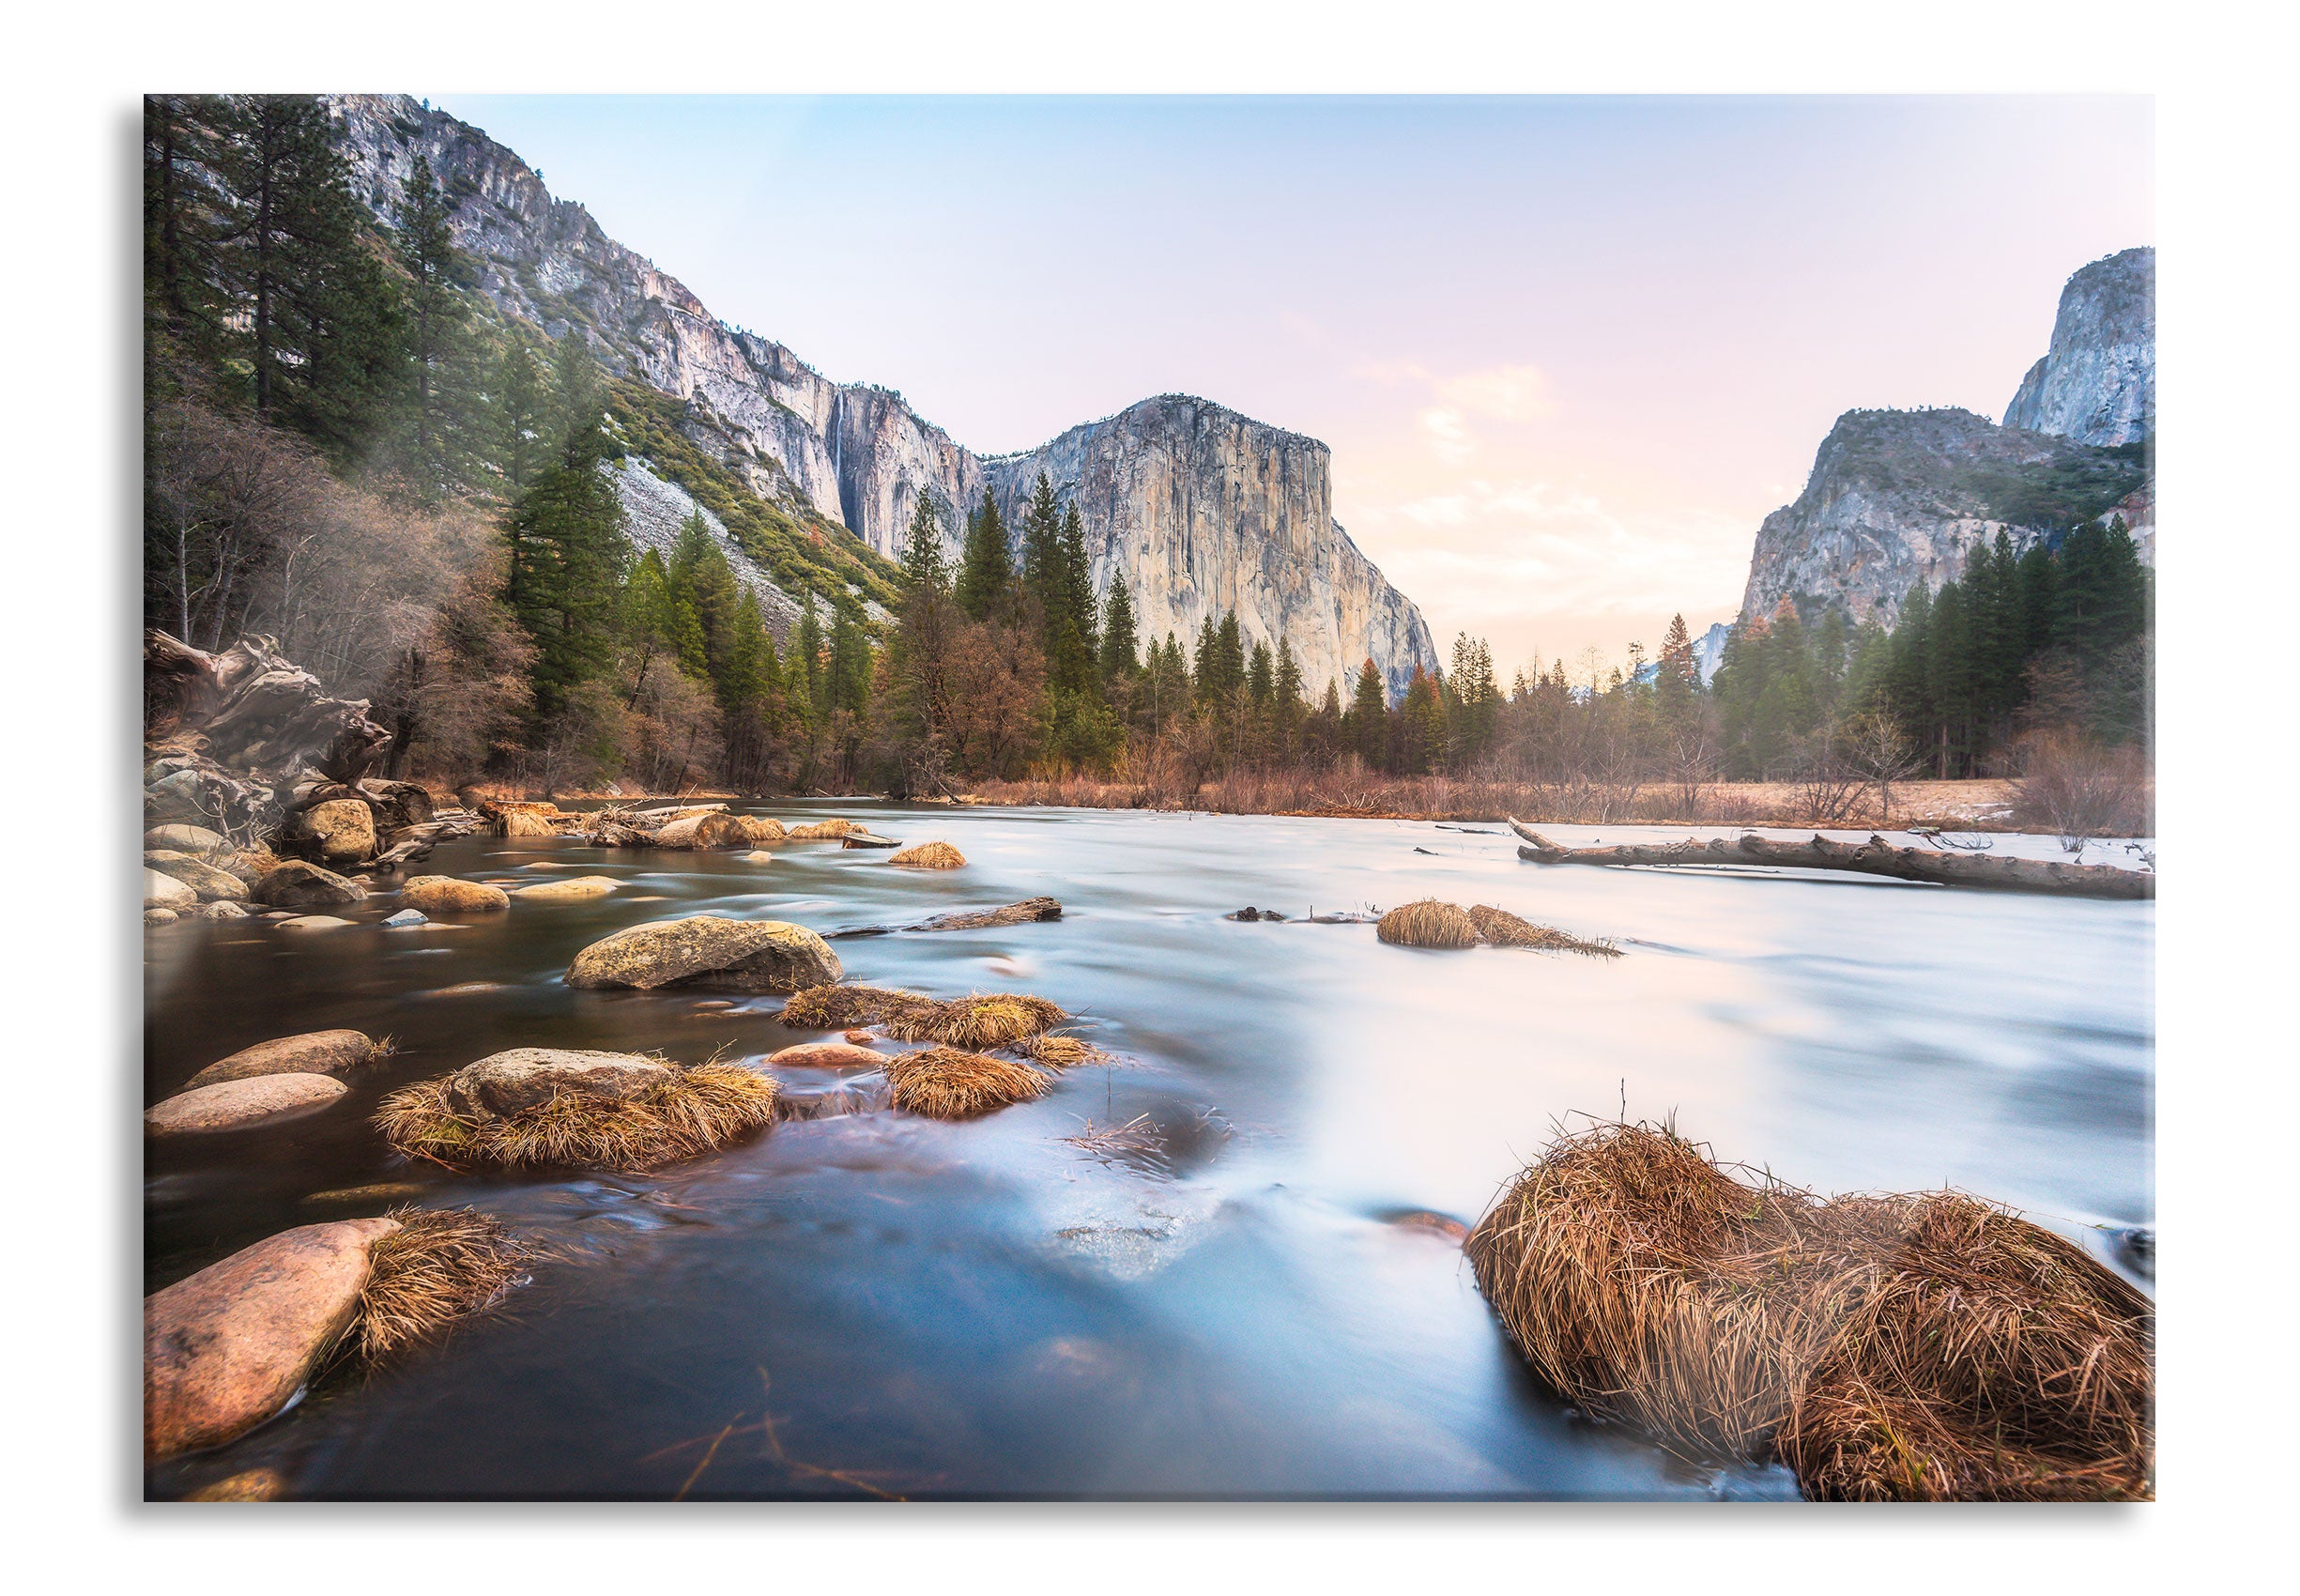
[(296, 885), (341, 831), (511, 1083), (712, 952)]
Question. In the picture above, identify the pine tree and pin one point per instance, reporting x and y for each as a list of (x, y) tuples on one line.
[(923, 565), (1077, 605), (183, 227), (1368, 718), (806, 681), (522, 414), (985, 567), (568, 556), (441, 360), (1261, 676), (1118, 642)]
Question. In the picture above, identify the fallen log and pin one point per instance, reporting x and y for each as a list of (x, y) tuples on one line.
[(1025, 912), (1874, 857), (868, 839)]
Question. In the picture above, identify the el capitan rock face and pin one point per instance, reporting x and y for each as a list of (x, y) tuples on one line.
[(2097, 384), (1202, 508)]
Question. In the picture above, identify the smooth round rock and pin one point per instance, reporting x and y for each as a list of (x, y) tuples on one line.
[(344, 828), (312, 1052), (447, 895), (313, 923), (203, 878), (160, 917), (241, 1105), (511, 1082), (570, 890), (226, 1349), (167, 891), (712, 952), (187, 839), (221, 909), (827, 1055)]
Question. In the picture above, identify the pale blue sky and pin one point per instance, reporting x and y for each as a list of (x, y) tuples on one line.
[(1568, 351)]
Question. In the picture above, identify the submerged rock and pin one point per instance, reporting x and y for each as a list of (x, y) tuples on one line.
[(1022, 913), (511, 1082), (712, 952), (248, 1485), (828, 1055), (296, 885), (227, 1348), (573, 888), (407, 919), (241, 1104), (221, 909), (448, 895), (313, 923), (160, 917), (312, 1052)]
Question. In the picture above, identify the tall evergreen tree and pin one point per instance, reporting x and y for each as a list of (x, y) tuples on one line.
[(1043, 574), (985, 567), (568, 556), (444, 432), (1077, 582), (1368, 718), (522, 414), (1119, 646)]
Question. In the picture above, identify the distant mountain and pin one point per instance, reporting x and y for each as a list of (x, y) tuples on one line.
[(1202, 508), (1897, 497)]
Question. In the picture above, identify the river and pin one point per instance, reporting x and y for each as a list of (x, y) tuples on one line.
[(880, 1305)]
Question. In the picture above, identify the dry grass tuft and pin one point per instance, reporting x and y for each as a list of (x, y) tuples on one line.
[(822, 831), (440, 1264), (1919, 1346), (1058, 1053), (1505, 929), (1428, 924), (979, 1019), (1136, 1135), (930, 856), (947, 1083), (842, 1008), (700, 1109)]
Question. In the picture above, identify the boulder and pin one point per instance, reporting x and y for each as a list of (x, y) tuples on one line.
[(570, 890), (447, 895), (167, 891), (221, 909), (407, 920), (160, 917), (313, 1053), (341, 831), (203, 878), (712, 952), (507, 1084), (714, 829), (228, 1347), (187, 839), (759, 856), (296, 884), (311, 923), (828, 1055), (237, 1105)]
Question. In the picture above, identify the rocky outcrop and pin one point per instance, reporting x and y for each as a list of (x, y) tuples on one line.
[(1203, 510), (2097, 383), (711, 952), (1902, 497)]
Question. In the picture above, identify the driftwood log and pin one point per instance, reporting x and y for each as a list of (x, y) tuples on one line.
[(1028, 912), (251, 709), (1874, 857)]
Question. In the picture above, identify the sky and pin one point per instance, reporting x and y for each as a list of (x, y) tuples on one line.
[(1568, 351)]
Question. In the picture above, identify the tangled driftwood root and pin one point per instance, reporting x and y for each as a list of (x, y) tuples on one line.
[(1923, 1346), (438, 1266), (950, 1084), (1431, 923), (696, 1110)]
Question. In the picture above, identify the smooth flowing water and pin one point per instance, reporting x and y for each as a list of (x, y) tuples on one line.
[(878, 1304)]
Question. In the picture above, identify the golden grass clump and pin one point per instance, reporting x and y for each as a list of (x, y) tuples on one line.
[(948, 1083), (1058, 1053), (822, 831), (1505, 929), (699, 1109), (439, 1264), (1925, 1346), (842, 1008), (930, 856), (1427, 924), (979, 1019)]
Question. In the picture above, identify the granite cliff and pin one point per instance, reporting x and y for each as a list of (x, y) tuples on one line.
[(1896, 498), (1202, 508)]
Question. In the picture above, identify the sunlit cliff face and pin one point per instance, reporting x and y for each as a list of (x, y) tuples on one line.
[(1567, 353)]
